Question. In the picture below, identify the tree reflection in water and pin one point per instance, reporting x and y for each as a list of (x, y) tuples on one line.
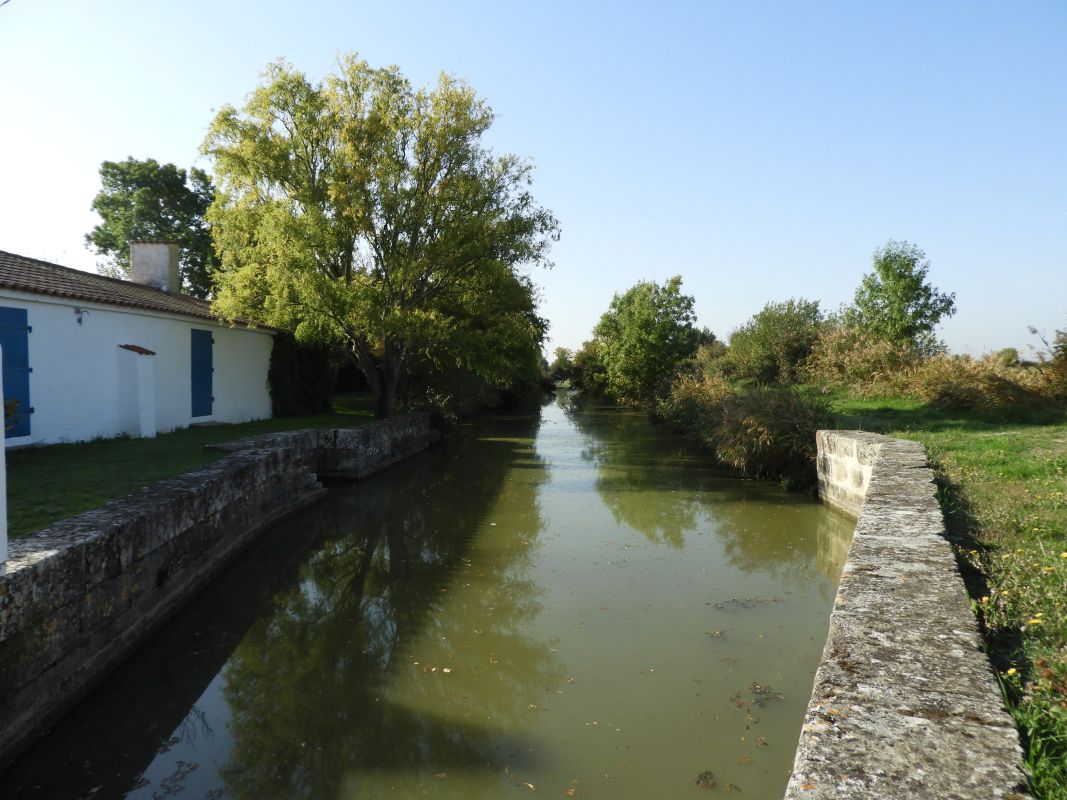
[(640, 472), (460, 625), (664, 488), (309, 688)]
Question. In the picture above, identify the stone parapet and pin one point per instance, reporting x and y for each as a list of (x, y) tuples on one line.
[(78, 597), (905, 703)]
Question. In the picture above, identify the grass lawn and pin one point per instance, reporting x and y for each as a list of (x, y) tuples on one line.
[(1003, 486), (46, 484)]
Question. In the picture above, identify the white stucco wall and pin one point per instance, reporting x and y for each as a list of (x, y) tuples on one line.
[(82, 381)]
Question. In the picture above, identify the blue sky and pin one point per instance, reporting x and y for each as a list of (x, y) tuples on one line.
[(762, 150)]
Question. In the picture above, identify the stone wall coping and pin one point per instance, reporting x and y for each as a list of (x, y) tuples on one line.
[(905, 703)]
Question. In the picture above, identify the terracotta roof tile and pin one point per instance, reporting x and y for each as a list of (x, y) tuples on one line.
[(42, 277)]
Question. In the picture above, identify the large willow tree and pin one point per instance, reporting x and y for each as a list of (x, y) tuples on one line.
[(364, 212)]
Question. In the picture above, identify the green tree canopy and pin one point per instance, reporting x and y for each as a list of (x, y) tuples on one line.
[(363, 212), (646, 332), (773, 344), (562, 366), (587, 369), (149, 200), (896, 303)]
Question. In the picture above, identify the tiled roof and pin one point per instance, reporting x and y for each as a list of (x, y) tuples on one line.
[(41, 277)]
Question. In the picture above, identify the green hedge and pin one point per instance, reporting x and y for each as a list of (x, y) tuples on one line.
[(301, 377)]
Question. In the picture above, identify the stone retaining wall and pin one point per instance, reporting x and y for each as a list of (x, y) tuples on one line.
[(78, 597), (905, 704)]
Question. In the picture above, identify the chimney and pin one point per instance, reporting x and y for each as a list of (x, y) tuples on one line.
[(155, 264)]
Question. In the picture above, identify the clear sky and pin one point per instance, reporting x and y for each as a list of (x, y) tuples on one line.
[(762, 150)]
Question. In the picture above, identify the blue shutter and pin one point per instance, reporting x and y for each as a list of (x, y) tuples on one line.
[(202, 367), (14, 338)]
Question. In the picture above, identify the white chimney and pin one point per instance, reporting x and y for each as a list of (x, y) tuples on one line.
[(155, 264)]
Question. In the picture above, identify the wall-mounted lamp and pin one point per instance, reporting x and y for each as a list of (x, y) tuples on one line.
[(80, 313)]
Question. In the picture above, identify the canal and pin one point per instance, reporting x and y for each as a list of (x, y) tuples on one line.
[(565, 604)]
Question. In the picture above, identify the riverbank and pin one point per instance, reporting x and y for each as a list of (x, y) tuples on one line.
[(79, 596), (1003, 487), (51, 483), (904, 704)]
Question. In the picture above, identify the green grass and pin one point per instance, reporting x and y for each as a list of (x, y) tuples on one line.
[(1003, 485), (46, 484)]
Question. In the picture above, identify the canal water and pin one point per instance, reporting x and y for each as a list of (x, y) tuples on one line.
[(566, 604)]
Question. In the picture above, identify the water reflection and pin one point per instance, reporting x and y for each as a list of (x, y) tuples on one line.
[(640, 472), (499, 615), (663, 488), (324, 692)]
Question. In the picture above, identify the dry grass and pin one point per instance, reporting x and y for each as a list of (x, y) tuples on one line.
[(762, 431), (865, 366)]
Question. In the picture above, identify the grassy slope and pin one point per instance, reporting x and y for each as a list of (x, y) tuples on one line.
[(1004, 490), (46, 484)]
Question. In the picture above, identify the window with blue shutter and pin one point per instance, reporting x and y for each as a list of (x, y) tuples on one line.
[(15, 339), (202, 369)]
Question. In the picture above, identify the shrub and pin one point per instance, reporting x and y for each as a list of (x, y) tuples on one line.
[(1054, 367), (439, 406), (985, 384), (848, 357), (694, 406), (769, 432), (773, 344), (300, 376), (763, 431), (1008, 357)]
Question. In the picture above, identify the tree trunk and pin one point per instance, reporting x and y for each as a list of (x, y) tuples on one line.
[(382, 376)]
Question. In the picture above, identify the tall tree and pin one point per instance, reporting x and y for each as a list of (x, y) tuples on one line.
[(645, 334), (895, 301), (149, 200), (361, 211), (562, 365)]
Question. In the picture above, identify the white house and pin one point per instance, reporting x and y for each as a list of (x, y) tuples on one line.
[(87, 356)]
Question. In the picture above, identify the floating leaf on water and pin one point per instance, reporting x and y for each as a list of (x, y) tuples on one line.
[(706, 779)]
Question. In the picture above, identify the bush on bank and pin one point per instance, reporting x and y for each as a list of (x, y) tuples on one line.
[(772, 345), (762, 431), (866, 366)]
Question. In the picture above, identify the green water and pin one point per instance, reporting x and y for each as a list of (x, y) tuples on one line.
[(567, 604)]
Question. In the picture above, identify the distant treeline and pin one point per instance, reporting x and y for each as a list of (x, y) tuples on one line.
[(757, 399)]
